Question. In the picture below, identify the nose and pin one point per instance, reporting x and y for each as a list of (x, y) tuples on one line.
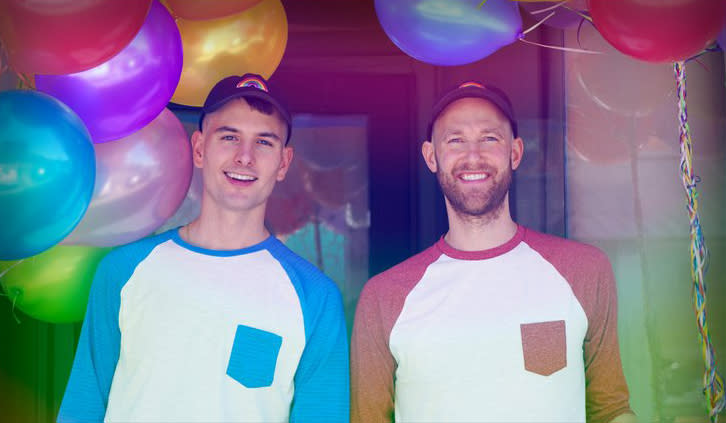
[(475, 150), (245, 154)]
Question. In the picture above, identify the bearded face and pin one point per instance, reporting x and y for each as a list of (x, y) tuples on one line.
[(476, 201), (473, 154)]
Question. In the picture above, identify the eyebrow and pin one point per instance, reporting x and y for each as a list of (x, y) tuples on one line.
[(269, 135), (237, 131), (227, 129), (497, 131), (490, 130)]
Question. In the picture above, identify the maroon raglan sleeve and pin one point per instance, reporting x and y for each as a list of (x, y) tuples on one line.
[(372, 365), (589, 273)]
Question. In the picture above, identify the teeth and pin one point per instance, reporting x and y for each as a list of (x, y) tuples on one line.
[(240, 177), (474, 176)]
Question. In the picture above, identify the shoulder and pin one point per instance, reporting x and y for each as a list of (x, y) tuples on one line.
[(128, 256), (565, 252), (403, 276), (301, 271)]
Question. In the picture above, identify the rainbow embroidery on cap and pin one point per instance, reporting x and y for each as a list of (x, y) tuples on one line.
[(253, 82), (471, 84)]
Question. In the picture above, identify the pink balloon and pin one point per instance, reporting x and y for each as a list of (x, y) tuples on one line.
[(128, 91), (190, 207), (140, 182)]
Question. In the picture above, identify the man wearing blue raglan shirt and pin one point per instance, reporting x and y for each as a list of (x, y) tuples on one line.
[(217, 320)]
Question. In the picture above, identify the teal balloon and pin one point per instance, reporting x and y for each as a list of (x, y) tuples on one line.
[(47, 172)]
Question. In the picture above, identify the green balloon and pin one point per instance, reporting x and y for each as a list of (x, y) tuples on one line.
[(52, 286)]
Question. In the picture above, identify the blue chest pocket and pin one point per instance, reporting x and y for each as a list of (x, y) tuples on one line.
[(254, 357)]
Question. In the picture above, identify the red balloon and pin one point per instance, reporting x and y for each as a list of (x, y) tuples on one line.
[(67, 36), (209, 9), (659, 30), (588, 125), (290, 207)]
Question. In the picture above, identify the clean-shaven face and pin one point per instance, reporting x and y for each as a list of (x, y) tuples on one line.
[(242, 154)]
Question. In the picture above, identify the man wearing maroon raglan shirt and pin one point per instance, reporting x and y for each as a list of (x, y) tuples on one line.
[(494, 322)]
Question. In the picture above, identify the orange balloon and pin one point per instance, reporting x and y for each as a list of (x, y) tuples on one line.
[(208, 9), (251, 41)]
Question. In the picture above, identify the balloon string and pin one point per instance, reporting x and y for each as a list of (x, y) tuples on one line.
[(547, 9), (16, 293), (569, 49), (10, 267), (24, 81), (582, 14), (12, 311), (713, 384), (537, 24)]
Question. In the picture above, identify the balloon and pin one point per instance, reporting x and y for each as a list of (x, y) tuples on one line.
[(329, 142), (140, 182), (619, 83), (64, 36), (190, 207), (290, 207), (563, 18), (251, 41), (52, 286), (334, 187), (659, 31), (588, 125), (442, 32), (46, 172), (124, 94), (208, 9)]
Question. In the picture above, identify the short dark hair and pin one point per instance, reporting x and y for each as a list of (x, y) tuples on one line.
[(257, 104), (260, 105)]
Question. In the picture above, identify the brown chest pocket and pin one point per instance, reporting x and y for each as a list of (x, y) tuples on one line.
[(544, 347)]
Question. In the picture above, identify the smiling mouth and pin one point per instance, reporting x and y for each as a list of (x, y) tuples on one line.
[(473, 176), (240, 177)]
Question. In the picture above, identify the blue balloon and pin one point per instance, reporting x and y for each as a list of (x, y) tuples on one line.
[(47, 172), (445, 32)]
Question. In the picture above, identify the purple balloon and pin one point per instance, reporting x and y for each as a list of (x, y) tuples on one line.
[(721, 39), (140, 182), (128, 91), (443, 32)]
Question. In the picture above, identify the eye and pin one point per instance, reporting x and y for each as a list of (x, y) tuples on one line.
[(491, 138), (454, 140), (229, 137), (265, 142)]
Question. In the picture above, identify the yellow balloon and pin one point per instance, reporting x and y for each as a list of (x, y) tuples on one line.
[(249, 42)]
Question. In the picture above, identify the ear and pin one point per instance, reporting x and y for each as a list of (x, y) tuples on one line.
[(287, 154), (429, 155), (198, 149), (517, 152)]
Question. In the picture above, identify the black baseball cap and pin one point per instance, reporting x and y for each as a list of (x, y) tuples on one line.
[(247, 85), (473, 89)]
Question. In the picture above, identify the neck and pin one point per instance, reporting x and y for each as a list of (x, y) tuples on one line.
[(226, 229), (478, 233)]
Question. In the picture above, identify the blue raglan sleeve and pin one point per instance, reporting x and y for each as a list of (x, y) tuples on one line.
[(322, 388), (86, 394)]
